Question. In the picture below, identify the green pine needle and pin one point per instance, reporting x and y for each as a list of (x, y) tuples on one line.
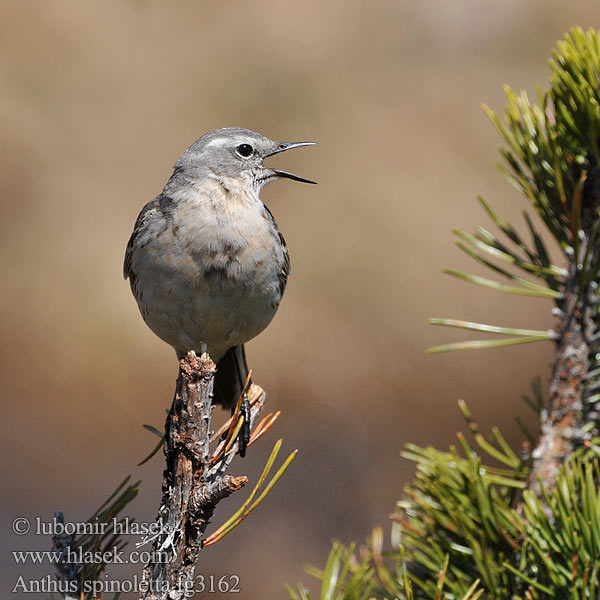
[(467, 527)]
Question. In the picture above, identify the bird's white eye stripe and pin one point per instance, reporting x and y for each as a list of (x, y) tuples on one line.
[(220, 141)]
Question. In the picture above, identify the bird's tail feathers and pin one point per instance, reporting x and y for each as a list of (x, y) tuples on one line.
[(232, 372)]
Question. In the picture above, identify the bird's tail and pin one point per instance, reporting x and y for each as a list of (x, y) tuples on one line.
[(232, 372)]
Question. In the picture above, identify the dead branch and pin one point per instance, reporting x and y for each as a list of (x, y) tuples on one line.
[(194, 481), (68, 573)]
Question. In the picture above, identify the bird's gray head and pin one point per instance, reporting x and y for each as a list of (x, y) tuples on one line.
[(234, 152)]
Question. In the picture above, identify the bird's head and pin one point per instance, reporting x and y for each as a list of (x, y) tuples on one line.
[(236, 153)]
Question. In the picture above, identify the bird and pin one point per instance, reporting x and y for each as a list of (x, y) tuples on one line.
[(206, 261)]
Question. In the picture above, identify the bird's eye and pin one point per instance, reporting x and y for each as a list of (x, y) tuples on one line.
[(245, 150)]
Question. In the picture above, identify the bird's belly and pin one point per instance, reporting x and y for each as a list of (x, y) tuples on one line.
[(194, 300)]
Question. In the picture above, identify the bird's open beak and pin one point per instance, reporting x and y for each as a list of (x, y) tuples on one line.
[(282, 147)]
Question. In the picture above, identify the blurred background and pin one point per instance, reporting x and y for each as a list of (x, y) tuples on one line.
[(97, 102)]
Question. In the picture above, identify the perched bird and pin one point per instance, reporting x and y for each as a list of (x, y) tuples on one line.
[(206, 261)]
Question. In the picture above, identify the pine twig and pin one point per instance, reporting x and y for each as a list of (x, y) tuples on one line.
[(67, 572), (77, 577), (193, 485)]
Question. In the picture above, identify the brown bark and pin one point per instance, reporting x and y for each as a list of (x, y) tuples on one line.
[(192, 486), (567, 413), (562, 418)]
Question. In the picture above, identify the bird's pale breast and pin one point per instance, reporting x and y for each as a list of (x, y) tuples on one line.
[(207, 267)]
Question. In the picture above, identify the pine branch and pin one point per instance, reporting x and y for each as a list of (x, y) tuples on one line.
[(76, 577), (526, 530), (195, 478), (191, 487), (552, 156), (563, 420), (567, 419)]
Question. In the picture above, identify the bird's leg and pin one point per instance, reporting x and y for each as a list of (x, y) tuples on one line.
[(244, 376), (241, 409), (244, 435)]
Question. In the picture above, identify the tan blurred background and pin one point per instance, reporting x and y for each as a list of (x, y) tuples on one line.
[(97, 101)]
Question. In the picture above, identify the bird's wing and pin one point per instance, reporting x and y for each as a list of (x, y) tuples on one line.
[(164, 205), (139, 224), (285, 269)]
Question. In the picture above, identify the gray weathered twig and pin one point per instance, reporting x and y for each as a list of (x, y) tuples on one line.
[(85, 554), (194, 481), (68, 573)]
